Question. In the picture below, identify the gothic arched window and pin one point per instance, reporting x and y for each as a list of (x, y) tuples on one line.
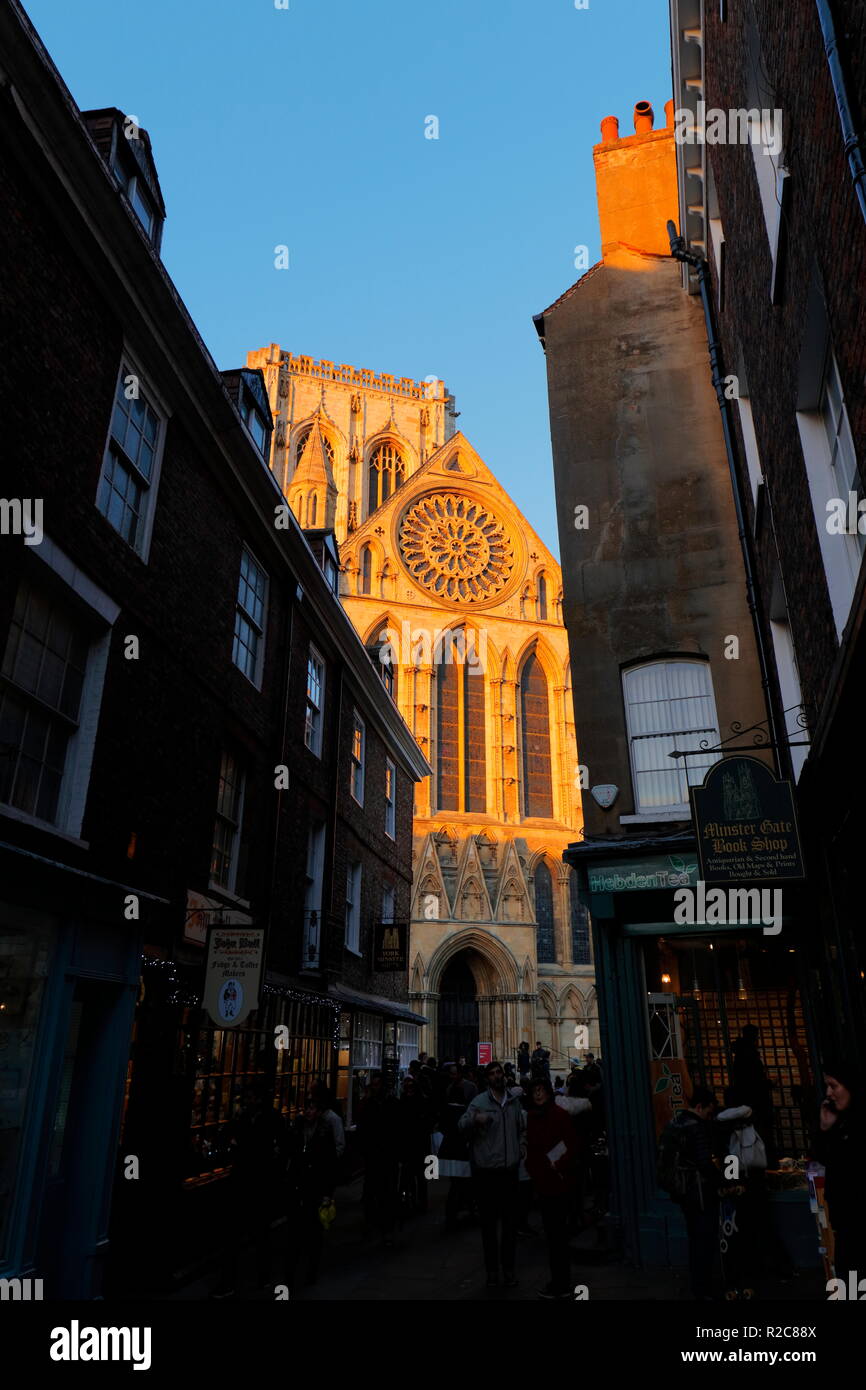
[(581, 952), (535, 740), (545, 940), (366, 570), (386, 472), (312, 509), (461, 771), (541, 601)]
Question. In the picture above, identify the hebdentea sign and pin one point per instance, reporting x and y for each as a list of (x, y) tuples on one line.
[(746, 825), (232, 973)]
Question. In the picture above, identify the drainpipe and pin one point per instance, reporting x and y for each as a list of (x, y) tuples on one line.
[(853, 145), (680, 252)]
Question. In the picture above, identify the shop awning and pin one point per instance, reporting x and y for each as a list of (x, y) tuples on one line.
[(374, 1003)]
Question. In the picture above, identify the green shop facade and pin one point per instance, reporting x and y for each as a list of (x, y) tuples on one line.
[(675, 993)]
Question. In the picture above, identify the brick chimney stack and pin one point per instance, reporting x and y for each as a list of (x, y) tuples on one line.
[(636, 181)]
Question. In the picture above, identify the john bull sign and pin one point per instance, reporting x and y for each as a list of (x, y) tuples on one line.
[(232, 974), (745, 824)]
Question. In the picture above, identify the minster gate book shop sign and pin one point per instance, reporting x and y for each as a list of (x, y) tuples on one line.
[(746, 825), (234, 967)]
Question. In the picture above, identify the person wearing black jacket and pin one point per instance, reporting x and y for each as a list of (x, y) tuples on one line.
[(839, 1145), (700, 1200), (312, 1178)]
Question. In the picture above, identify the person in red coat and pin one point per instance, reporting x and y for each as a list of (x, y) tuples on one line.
[(551, 1161)]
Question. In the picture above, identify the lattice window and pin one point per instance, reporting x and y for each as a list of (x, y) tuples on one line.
[(545, 934), (535, 732), (386, 472)]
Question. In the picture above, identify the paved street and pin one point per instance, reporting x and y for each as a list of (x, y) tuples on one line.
[(424, 1265)]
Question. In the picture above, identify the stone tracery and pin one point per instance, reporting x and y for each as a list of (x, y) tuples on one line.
[(456, 548)]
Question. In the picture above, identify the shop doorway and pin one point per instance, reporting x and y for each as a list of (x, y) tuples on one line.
[(730, 1013), (457, 1030)]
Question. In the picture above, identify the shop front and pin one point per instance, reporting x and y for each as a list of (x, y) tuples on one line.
[(679, 1002)]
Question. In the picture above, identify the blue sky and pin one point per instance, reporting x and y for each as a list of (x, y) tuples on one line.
[(408, 255)]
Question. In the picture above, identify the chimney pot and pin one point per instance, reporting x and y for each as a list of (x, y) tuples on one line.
[(643, 118), (609, 129), (669, 114)]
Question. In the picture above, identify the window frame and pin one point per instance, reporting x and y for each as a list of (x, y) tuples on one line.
[(90, 609), (231, 887), (244, 615), (391, 801), (680, 810), (352, 930), (314, 657), (150, 487), (357, 774)]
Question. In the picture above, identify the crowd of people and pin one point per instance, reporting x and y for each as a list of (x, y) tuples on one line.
[(510, 1139), (500, 1137), (713, 1163)]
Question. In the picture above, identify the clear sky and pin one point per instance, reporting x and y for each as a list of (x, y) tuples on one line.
[(306, 127)]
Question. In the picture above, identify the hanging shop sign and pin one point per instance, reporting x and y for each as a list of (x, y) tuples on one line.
[(391, 946), (746, 825), (485, 1053), (202, 912), (637, 875), (232, 973)]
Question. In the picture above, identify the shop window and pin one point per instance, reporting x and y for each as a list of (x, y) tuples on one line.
[(669, 705), (25, 959)]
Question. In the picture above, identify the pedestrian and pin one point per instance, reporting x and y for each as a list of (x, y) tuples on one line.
[(576, 1104), (454, 1149), (255, 1139), (839, 1145), (379, 1142), (749, 1080), (510, 1077), (551, 1161), (414, 1144), (324, 1098), (690, 1177), (524, 1062), (592, 1071), (558, 1086), (495, 1123), (312, 1180), (540, 1061)]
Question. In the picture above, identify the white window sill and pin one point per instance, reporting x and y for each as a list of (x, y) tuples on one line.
[(648, 817), (231, 898), (352, 951), (390, 834), (14, 814)]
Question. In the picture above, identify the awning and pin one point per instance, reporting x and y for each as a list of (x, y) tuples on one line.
[(374, 1003)]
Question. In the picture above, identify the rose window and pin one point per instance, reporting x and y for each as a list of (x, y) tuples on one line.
[(456, 548)]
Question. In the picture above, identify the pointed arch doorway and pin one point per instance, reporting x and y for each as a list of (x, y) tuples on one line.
[(457, 1024)]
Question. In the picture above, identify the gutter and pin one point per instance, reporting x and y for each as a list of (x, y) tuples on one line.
[(853, 143), (680, 252)]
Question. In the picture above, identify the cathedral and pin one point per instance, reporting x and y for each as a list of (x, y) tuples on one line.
[(459, 604)]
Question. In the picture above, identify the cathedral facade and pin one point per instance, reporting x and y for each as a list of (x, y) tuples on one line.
[(459, 604)]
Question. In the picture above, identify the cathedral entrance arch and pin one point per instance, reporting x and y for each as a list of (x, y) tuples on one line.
[(458, 1012), (482, 996)]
